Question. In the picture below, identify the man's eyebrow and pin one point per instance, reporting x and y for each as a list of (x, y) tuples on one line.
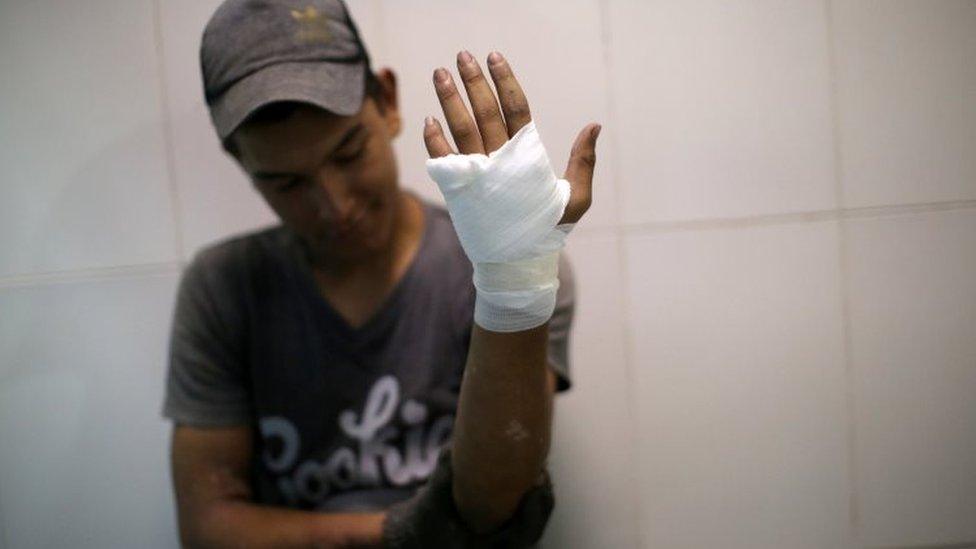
[(353, 132)]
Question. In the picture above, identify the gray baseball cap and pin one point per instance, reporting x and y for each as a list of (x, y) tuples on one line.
[(256, 52)]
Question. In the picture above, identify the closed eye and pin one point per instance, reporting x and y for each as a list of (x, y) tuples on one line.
[(351, 158)]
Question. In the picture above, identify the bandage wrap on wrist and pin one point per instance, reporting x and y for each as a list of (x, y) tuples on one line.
[(506, 208)]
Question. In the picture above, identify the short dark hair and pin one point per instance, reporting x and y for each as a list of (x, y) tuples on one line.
[(280, 110)]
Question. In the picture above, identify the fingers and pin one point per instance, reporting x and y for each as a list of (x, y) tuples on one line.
[(434, 139), (488, 130), (579, 173), (514, 104), (494, 134), (463, 129)]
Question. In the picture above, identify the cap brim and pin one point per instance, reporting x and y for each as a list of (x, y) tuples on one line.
[(336, 87)]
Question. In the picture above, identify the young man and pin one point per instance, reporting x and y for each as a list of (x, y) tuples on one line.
[(316, 366)]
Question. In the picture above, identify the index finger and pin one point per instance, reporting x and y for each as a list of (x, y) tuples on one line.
[(510, 95)]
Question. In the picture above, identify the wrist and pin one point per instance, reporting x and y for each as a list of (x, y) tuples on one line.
[(519, 295), (516, 296)]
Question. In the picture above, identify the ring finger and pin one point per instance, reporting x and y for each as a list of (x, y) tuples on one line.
[(465, 133)]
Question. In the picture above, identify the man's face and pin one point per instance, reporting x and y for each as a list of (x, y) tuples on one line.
[(332, 179)]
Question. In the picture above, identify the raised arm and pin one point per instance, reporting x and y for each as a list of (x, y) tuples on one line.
[(511, 215), (215, 507)]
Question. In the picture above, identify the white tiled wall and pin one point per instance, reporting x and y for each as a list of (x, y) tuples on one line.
[(722, 108), (775, 341), (83, 458), (82, 153), (740, 383), (906, 83), (913, 326)]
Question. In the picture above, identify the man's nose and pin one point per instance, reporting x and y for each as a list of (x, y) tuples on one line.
[(333, 199)]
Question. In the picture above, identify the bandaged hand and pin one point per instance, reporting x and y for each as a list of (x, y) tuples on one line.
[(510, 210)]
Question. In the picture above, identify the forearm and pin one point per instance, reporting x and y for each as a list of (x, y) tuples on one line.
[(503, 426), (238, 523)]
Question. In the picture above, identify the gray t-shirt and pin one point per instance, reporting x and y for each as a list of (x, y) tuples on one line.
[(344, 418)]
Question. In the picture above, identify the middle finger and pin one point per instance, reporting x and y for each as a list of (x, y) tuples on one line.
[(483, 103)]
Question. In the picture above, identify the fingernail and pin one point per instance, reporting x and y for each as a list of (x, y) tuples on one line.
[(465, 57), (441, 76), (495, 58), (596, 131), (429, 121)]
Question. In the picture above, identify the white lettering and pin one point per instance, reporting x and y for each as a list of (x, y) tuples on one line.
[(281, 428), (380, 448)]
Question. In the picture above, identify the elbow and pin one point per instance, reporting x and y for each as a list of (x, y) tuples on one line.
[(188, 538), (483, 518), (192, 525), (191, 536), (486, 510)]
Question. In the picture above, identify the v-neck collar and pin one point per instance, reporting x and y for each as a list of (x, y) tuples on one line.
[(384, 315)]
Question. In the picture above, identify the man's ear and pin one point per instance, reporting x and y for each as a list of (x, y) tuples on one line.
[(391, 107)]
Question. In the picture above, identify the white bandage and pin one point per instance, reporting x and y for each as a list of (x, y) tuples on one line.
[(506, 208)]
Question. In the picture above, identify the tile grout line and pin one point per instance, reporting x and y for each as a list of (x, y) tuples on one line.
[(4, 540), (811, 216), (381, 25), (622, 269), (950, 545), (166, 115), (92, 274), (619, 230), (843, 254)]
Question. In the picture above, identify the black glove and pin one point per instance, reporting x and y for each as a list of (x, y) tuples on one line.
[(430, 520)]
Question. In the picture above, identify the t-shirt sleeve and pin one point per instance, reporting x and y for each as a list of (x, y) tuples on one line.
[(206, 383), (561, 323)]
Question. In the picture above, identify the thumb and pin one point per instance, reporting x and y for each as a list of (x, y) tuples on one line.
[(579, 173)]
